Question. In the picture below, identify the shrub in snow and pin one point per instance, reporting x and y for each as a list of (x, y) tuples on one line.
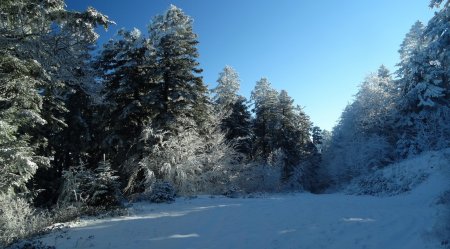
[(75, 189), (233, 192), (19, 220), (359, 156), (193, 160), (175, 160), (105, 189), (84, 187), (256, 177), (400, 177), (162, 192), (382, 184), (295, 181)]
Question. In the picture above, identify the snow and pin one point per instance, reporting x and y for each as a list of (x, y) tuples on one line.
[(403, 176), (299, 220)]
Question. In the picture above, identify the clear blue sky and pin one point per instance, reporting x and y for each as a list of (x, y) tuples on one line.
[(319, 51)]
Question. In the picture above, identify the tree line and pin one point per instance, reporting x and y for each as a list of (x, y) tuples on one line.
[(137, 111), (397, 115), (82, 127)]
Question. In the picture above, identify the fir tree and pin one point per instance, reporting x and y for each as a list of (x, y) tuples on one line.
[(128, 66), (48, 45), (105, 188), (181, 93), (236, 122), (317, 137), (265, 100), (238, 126), (226, 91), (424, 105), (288, 134)]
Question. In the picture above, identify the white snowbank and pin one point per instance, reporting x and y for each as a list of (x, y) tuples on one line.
[(404, 176), (279, 221)]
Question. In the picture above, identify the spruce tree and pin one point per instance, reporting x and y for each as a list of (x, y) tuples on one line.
[(236, 120), (20, 115), (128, 66), (46, 45), (226, 91), (265, 100), (424, 105), (238, 126), (317, 136), (288, 135), (181, 93)]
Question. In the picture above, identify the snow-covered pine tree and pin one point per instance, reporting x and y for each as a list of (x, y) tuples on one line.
[(289, 137), (363, 139), (280, 129), (412, 43), (76, 187), (105, 188), (265, 100), (238, 126), (317, 136), (376, 99), (128, 67), (424, 105), (17, 165), (41, 44), (226, 91), (182, 93), (20, 103), (64, 52), (20, 116), (302, 159), (236, 122)]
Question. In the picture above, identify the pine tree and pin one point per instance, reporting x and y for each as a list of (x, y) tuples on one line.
[(105, 188), (424, 105), (47, 45), (364, 138), (20, 101), (236, 122), (128, 66), (317, 136), (238, 126), (288, 134), (411, 45), (376, 103), (226, 91), (20, 114), (181, 92), (265, 100)]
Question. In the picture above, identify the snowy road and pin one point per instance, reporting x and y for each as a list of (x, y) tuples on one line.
[(281, 221)]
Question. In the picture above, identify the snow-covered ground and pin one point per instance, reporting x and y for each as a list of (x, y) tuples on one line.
[(276, 221)]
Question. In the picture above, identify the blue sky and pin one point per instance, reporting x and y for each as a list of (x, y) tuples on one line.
[(319, 51)]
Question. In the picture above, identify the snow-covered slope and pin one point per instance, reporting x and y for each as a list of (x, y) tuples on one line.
[(432, 167), (277, 221)]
